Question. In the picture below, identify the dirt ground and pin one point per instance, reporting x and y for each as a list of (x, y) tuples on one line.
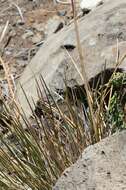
[(17, 47)]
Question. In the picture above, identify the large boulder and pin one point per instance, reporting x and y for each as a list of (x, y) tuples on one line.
[(101, 167), (98, 30)]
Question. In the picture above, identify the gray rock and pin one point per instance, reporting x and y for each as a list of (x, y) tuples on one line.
[(9, 50), (99, 31), (100, 167), (52, 25)]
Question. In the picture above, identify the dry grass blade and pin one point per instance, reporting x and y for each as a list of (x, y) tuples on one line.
[(4, 31), (19, 10), (87, 87), (35, 151)]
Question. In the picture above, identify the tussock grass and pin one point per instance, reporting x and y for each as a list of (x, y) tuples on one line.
[(34, 152), (40, 152)]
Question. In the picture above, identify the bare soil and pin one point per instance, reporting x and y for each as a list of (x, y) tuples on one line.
[(16, 50)]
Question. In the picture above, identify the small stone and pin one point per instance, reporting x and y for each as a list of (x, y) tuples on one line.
[(92, 42), (9, 50), (37, 38), (27, 34), (20, 22), (39, 27), (22, 63), (62, 13)]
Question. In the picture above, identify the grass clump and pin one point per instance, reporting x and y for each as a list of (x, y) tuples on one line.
[(34, 153), (33, 156)]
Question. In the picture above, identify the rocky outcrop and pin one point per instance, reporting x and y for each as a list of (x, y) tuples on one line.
[(99, 31), (100, 167)]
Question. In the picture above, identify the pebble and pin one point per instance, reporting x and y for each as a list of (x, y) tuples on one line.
[(22, 63), (20, 22), (37, 38), (62, 13), (39, 27), (27, 34)]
